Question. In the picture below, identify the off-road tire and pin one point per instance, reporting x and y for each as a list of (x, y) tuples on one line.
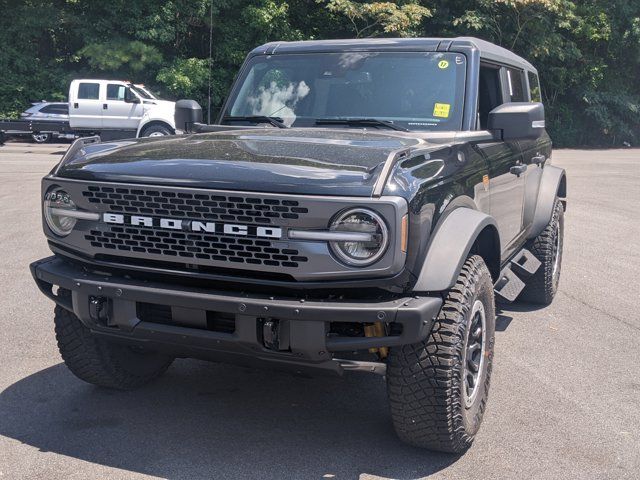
[(425, 380), (542, 286), (103, 363), (156, 130)]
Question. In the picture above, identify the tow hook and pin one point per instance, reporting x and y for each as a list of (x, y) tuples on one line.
[(99, 309), (275, 334), (377, 330)]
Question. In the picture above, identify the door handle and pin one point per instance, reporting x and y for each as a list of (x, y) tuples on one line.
[(105, 106), (538, 159), (75, 105), (518, 169)]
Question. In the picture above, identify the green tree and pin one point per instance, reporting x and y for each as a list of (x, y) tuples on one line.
[(370, 19), (587, 52)]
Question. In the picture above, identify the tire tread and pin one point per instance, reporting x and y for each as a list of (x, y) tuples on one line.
[(539, 288), (423, 379), (94, 360)]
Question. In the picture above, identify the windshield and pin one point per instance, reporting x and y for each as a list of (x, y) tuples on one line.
[(414, 90), (144, 93)]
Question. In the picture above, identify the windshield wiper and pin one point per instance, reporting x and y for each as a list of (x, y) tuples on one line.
[(275, 121), (375, 122)]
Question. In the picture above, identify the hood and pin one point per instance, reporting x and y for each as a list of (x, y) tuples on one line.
[(301, 161), (160, 105), (164, 103)]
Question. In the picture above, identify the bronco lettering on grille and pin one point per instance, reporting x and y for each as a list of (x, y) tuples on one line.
[(193, 225)]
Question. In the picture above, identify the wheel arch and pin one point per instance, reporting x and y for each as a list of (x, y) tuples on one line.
[(151, 123), (553, 184), (462, 232)]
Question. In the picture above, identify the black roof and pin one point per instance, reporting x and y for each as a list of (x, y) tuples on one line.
[(487, 50)]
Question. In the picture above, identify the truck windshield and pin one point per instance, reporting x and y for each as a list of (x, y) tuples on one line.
[(143, 92), (411, 90)]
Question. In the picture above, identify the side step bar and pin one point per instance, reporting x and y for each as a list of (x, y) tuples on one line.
[(509, 286), (513, 277), (525, 263)]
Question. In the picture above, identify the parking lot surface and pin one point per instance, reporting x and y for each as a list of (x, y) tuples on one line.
[(564, 400)]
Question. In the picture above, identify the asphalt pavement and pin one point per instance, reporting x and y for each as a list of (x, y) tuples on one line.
[(564, 400)]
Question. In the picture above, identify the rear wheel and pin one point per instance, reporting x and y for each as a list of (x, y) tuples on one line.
[(547, 247), (156, 130), (103, 363), (41, 137), (438, 388)]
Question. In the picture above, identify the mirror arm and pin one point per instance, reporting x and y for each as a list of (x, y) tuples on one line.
[(480, 136)]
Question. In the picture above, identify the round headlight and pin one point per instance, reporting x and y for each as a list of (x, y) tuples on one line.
[(56, 202), (360, 253)]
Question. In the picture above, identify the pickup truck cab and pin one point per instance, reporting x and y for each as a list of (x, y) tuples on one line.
[(118, 109), (360, 205)]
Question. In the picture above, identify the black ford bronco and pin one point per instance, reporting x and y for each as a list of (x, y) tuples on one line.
[(358, 205)]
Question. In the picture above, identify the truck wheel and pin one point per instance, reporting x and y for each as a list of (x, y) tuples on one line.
[(103, 363), (156, 131), (438, 388), (41, 137), (542, 286)]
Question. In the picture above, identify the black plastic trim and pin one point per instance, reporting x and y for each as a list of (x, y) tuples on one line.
[(308, 319), (551, 188), (392, 284), (449, 247)]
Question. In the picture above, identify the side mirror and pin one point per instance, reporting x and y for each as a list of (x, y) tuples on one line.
[(517, 121), (130, 97), (187, 113)]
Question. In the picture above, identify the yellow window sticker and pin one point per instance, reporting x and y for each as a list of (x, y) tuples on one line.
[(442, 64), (441, 110)]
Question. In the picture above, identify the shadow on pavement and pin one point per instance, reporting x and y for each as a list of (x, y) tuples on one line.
[(503, 319), (215, 421)]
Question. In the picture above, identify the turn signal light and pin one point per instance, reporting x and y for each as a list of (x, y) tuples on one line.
[(404, 233)]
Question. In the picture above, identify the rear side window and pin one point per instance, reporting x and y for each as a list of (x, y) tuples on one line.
[(89, 91), (115, 91), (56, 109), (534, 86), (515, 85)]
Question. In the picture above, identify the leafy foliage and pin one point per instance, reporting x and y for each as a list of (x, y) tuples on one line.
[(121, 55), (376, 18), (587, 52), (185, 77)]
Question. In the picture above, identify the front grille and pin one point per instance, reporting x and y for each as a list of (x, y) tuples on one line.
[(194, 245), (226, 233), (214, 206)]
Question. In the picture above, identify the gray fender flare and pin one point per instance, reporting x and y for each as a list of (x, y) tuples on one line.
[(553, 184), (450, 245)]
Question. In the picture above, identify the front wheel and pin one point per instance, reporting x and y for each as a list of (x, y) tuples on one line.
[(438, 388), (103, 363), (156, 131)]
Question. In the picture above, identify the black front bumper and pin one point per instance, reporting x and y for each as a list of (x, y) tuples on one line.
[(308, 321)]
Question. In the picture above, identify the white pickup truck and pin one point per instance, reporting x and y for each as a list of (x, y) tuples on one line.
[(118, 109), (112, 109)]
